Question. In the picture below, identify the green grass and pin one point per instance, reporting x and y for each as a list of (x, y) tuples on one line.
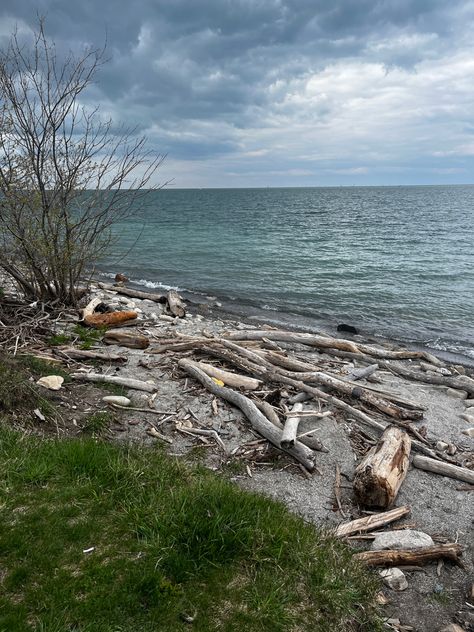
[(97, 423), (58, 339), (88, 337), (170, 542)]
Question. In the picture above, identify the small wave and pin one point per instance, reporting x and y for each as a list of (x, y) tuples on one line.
[(157, 285), (269, 308)]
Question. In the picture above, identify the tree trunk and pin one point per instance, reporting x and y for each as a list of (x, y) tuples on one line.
[(383, 469)]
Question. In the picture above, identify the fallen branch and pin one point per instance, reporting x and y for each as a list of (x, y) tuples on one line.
[(230, 379), (123, 339), (125, 291), (258, 421), (290, 428), (113, 379), (83, 354), (369, 523), (416, 557), (445, 469)]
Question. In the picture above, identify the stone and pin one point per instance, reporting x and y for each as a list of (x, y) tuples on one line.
[(118, 400), (468, 403), (452, 449), (350, 329), (468, 418), (452, 627), (454, 392), (394, 579), (469, 432), (469, 410), (442, 446), (401, 539), (52, 382)]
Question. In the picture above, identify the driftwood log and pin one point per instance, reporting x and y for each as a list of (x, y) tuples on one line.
[(138, 385), (109, 319), (257, 419), (125, 291), (83, 354), (290, 429), (176, 307), (230, 379), (445, 469), (369, 523), (122, 339), (380, 474), (412, 557)]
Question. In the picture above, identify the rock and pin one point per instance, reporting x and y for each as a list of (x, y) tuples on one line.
[(117, 399), (469, 410), (454, 392), (469, 432), (468, 418), (468, 403), (452, 627), (394, 579), (401, 539), (347, 328), (120, 278), (442, 446), (452, 449), (52, 382)]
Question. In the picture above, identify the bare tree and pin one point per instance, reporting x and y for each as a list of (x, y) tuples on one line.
[(66, 174)]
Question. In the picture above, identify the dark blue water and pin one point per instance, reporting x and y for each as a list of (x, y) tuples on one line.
[(393, 261)]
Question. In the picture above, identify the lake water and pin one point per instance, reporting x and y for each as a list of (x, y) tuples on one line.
[(392, 261)]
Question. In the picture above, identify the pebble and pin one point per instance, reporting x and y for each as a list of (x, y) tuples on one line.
[(401, 539), (469, 410), (442, 446), (468, 418), (394, 579), (119, 400), (469, 402), (469, 432), (452, 449), (454, 392), (52, 382)]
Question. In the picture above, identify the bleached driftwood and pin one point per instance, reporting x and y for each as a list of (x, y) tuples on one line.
[(362, 373), (290, 429), (380, 474), (230, 379), (126, 291), (175, 305), (445, 469), (415, 557), (89, 309), (138, 385), (258, 421), (370, 523), (83, 354)]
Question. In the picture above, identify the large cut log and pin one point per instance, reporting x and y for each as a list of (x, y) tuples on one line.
[(110, 319), (379, 476), (257, 419), (113, 379), (126, 291), (370, 523), (445, 469), (231, 379), (175, 304), (288, 436), (411, 557), (122, 339), (323, 342)]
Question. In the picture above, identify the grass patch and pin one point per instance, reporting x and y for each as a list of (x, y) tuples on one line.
[(97, 423), (58, 339), (88, 337), (171, 544)]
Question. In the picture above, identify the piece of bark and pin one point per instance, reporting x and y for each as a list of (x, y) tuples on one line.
[(126, 291), (369, 523), (415, 557), (138, 385), (80, 354), (122, 339), (230, 379), (383, 469), (258, 421), (109, 319), (175, 305), (290, 428), (445, 469)]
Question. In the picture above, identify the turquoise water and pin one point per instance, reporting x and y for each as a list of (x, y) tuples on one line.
[(393, 261)]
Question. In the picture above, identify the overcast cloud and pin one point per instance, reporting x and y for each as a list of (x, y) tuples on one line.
[(283, 92)]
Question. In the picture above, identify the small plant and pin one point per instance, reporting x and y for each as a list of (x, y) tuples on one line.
[(58, 339), (97, 423), (88, 337)]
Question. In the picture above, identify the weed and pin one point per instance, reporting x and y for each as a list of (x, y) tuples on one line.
[(58, 339), (87, 336), (97, 423)]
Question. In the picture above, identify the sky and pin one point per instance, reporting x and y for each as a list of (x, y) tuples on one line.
[(257, 93)]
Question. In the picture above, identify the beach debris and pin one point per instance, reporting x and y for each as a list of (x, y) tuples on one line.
[(455, 392), (442, 446), (445, 469), (382, 471), (110, 319), (290, 428), (469, 432), (124, 339), (39, 414), (372, 522), (113, 379), (175, 304), (401, 539), (83, 354), (231, 379), (416, 557), (118, 400), (153, 432), (51, 382), (394, 578)]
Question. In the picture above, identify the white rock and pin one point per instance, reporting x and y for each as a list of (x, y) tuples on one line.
[(442, 446), (469, 432), (452, 627), (468, 418), (401, 539), (468, 403), (394, 579), (454, 392), (469, 411), (117, 399), (52, 382), (123, 300)]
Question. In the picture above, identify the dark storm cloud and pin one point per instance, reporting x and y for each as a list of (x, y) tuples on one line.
[(206, 78)]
